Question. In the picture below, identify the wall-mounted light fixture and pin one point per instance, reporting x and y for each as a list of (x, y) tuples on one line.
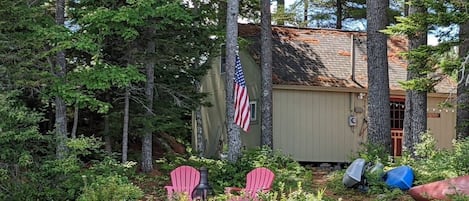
[(361, 96)]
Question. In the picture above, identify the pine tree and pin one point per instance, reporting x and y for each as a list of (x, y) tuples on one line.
[(379, 127), (462, 118), (415, 114), (233, 135), (338, 14), (266, 62)]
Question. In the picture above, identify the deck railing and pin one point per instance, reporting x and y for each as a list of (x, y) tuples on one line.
[(396, 137)]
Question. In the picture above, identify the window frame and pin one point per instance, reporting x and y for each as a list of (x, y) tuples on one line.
[(222, 59), (253, 107)]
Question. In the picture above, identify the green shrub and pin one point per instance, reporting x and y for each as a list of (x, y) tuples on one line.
[(297, 195), (114, 187), (432, 164), (459, 156), (47, 178), (286, 169), (374, 153), (281, 195)]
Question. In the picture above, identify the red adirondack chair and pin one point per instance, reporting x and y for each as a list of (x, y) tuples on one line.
[(184, 179), (258, 180)]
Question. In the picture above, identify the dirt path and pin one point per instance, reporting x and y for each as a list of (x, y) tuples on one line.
[(320, 177)]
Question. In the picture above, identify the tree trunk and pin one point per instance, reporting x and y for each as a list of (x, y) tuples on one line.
[(125, 127), (200, 132), (266, 62), (106, 132), (233, 136), (379, 119), (201, 143), (60, 106), (200, 139), (415, 114), (338, 24), (147, 140), (107, 137), (305, 12), (462, 118), (406, 8), (281, 10), (75, 122)]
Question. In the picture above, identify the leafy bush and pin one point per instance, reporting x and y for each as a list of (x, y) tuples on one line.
[(374, 153), (113, 187), (281, 195), (433, 164), (47, 178), (459, 157), (297, 194), (287, 170)]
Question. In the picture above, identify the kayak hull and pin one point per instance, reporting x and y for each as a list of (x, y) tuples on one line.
[(353, 174), (440, 190), (400, 177)]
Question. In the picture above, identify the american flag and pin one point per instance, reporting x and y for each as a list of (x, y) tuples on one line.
[(242, 115)]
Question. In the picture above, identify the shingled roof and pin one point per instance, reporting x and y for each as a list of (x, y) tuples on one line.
[(323, 57)]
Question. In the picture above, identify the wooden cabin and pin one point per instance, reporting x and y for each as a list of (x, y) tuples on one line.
[(319, 95)]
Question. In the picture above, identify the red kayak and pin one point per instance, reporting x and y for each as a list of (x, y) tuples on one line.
[(440, 189)]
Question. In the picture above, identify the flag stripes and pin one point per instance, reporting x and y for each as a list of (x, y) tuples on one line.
[(242, 115)]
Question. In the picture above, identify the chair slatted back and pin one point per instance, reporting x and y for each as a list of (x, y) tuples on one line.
[(259, 180), (184, 179)]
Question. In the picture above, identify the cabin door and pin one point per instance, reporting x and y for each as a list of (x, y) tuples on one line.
[(397, 125)]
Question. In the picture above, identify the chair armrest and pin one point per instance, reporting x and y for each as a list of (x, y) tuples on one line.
[(228, 190), (170, 191), (265, 189)]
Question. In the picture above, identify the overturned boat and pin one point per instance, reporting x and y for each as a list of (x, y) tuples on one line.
[(401, 177), (354, 174), (441, 190)]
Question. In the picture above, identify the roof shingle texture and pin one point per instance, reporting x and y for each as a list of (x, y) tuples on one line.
[(327, 57)]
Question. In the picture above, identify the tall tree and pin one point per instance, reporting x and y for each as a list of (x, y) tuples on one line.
[(305, 11), (462, 118), (330, 13), (338, 14), (125, 126), (281, 15), (423, 59), (60, 71), (280, 10), (147, 139), (379, 120), (338, 21), (415, 113), (266, 62), (233, 135)]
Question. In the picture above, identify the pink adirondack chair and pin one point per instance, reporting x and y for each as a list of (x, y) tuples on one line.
[(258, 180), (184, 179)]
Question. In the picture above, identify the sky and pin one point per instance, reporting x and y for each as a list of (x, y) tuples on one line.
[(432, 40), (289, 2)]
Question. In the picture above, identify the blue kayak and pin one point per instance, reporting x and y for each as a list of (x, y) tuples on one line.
[(400, 177)]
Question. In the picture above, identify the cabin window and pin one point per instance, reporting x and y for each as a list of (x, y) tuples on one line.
[(222, 58), (253, 107), (397, 114)]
